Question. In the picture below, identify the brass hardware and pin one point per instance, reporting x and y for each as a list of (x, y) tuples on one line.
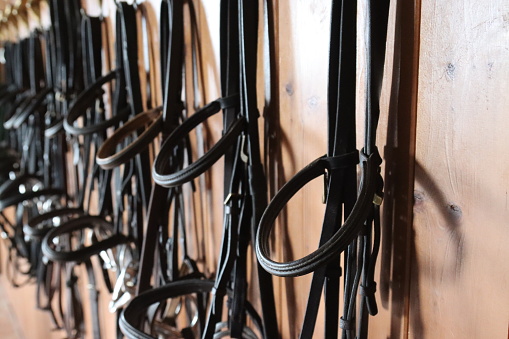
[(377, 200)]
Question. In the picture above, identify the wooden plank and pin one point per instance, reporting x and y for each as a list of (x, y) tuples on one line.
[(299, 136), (460, 272)]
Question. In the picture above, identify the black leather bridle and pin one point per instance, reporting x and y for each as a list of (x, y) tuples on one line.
[(243, 181), (88, 109), (359, 235)]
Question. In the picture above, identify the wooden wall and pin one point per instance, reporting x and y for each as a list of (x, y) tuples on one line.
[(442, 272), (460, 272)]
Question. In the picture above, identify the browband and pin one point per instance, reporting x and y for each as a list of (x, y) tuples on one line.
[(84, 253), (106, 156), (346, 233), (161, 162)]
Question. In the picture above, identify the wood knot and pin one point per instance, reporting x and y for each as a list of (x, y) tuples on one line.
[(419, 198), (450, 71), (455, 210), (313, 101), (289, 89)]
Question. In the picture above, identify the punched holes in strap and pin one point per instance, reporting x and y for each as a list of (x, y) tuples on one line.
[(340, 240), (161, 163)]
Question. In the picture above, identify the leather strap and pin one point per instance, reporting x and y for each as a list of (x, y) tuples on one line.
[(338, 242), (237, 57), (85, 252), (176, 178), (340, 191), (29, 107), (93, 293), (11, 187), (171, 66), (133, 314), (145, 15), (127, 28), (106, 156), (84, 101), (91, 102), (35, 227)]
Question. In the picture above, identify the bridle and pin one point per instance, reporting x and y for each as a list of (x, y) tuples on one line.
[(89, 108), (42, 178), (359, 209), (243, 175)]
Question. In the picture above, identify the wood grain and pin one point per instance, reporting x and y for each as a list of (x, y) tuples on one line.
[(302, 66), (460, 272)]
